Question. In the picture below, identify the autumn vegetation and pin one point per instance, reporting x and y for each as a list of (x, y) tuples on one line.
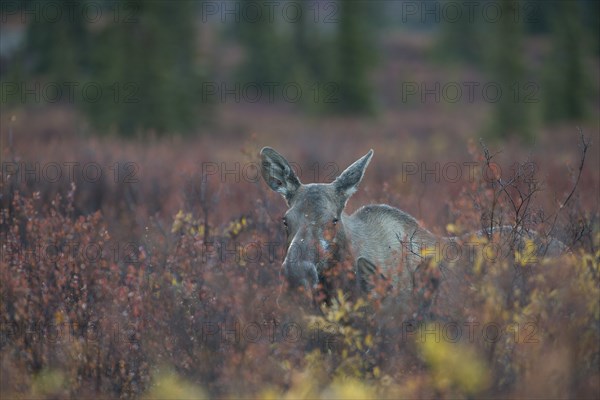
[(171, 287)]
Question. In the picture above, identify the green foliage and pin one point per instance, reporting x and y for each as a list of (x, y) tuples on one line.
[(354, 58), (144, 65), (158, 57), (331, 48), (511, 116), (59, 51), (498, 45), (267, 58), (462, 39), (566, 84)]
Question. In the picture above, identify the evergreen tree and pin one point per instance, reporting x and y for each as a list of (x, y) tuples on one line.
[(313, 60), (354, 58), (140, 72), (330, 55), (265, 58), (57, 48), (565, 82), (462, 38), (511, 114)]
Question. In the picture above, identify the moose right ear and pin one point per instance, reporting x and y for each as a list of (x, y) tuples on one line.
[(347, 183), (278, 173)]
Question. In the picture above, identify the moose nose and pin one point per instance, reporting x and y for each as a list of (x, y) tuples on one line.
[(301, 273)]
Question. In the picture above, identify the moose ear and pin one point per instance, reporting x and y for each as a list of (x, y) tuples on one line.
[(347, 183), (278, 173)]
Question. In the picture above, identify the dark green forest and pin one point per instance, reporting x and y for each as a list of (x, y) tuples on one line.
[(148, 54)]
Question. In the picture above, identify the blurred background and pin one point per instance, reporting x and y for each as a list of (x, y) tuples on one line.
[(135, 68)]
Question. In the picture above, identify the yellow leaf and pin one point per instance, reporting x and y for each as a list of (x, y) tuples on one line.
[(451, 228)]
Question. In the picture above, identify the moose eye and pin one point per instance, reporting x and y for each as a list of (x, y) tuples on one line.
[(284, 222), (335, 221)]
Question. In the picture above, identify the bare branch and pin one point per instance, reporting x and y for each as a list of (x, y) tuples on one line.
[(584, 145)]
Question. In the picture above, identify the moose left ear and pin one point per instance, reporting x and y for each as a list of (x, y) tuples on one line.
[(278, 173), (347, 183)]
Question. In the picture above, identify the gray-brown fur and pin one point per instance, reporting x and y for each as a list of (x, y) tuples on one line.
[(320, 234)]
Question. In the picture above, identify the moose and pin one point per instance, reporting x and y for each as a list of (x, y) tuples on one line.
[(374, 239)]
